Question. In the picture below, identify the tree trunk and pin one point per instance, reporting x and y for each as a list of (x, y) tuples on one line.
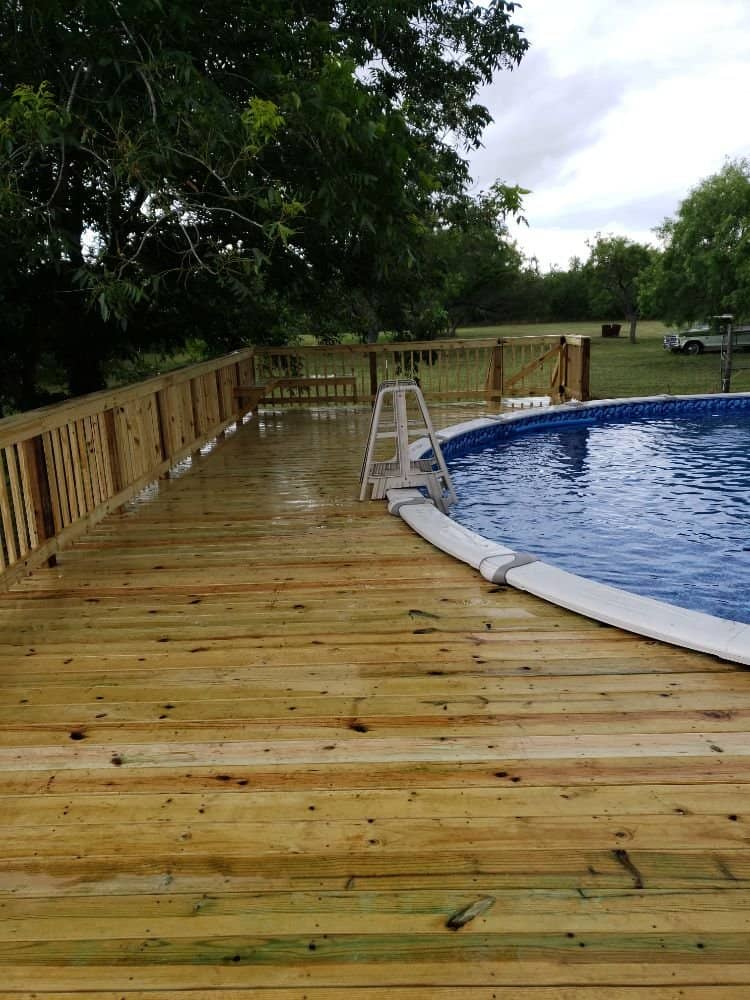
[(84, 350), (633, 324)]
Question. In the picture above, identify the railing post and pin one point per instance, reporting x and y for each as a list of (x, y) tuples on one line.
[(495, 372), (562, 376), (584, 385), (579, 368)]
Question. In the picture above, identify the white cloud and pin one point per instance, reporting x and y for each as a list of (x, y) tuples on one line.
[(615, 114)]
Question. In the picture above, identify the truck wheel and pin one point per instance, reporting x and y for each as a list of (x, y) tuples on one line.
[(693, 347)]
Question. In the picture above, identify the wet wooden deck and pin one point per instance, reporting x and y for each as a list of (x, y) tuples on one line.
[(259, 739)]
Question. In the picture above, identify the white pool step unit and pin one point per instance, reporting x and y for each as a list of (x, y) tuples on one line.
[(390, 419)]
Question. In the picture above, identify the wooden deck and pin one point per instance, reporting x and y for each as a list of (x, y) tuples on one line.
[(259, 739)]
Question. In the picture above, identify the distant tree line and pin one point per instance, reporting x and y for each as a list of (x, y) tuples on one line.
[(604, 287), (702, 268)]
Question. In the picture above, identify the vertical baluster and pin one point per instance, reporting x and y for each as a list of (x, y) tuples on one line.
[(6, 514), (125, 429), (153, 445), (75, 470), (212, 398), (222, 399), (141, 463), (18, 507), (66, 472), (166, 424), (199, 409), (54, 492), (94, 462), (31, 493), (104, 442), (60, 478), (186, 417), (37, 487), (154, 431)]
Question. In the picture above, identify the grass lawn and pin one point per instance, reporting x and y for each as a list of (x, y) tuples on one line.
[(619, 368)]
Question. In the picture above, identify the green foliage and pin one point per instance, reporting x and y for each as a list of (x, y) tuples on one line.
[(568, 293), (705, 267), (259, 150)]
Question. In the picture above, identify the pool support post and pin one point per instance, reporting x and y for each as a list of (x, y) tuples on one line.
[(725, 326)]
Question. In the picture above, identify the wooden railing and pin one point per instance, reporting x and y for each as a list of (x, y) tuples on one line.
[(554, 366), (64, 467), (446, 369)]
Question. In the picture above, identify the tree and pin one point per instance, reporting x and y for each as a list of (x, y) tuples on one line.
[(616, 266), (263, 149), (705, 267)]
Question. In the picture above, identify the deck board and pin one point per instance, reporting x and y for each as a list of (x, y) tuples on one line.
[(257, 738)]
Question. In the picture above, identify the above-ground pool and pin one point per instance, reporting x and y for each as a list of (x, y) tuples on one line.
[(656, 502), (633, 512)]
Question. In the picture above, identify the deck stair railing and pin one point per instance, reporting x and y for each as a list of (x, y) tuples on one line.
[(399, 416)]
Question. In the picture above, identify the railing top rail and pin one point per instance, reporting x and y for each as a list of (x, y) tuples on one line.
[(546, 338), (392, 348), (22, 426)]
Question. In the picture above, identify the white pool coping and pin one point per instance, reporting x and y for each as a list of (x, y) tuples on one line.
[(500, 564)]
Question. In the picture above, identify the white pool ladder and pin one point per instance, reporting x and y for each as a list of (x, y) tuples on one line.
[(390, 419)]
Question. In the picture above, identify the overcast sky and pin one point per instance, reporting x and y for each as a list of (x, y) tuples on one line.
[(616, 112)]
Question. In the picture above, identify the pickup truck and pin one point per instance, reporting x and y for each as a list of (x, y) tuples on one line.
[(702, 338)]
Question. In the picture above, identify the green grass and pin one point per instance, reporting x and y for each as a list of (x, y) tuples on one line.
[(619, 368)]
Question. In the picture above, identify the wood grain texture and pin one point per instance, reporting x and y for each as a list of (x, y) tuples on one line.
[(256, 738)]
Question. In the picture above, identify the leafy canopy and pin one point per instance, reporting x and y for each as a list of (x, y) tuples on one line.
[(705, 267), (153, 152)]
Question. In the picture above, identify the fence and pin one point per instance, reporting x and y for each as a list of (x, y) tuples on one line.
[(64, 467), (451, 369)]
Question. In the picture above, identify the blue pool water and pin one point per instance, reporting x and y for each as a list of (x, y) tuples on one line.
[(658, 506)]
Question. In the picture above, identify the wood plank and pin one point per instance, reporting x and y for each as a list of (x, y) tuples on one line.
[(421, 802), (312, 974), (430, 992)]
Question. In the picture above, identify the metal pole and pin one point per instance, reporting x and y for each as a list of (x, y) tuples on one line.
[(726, 357)]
